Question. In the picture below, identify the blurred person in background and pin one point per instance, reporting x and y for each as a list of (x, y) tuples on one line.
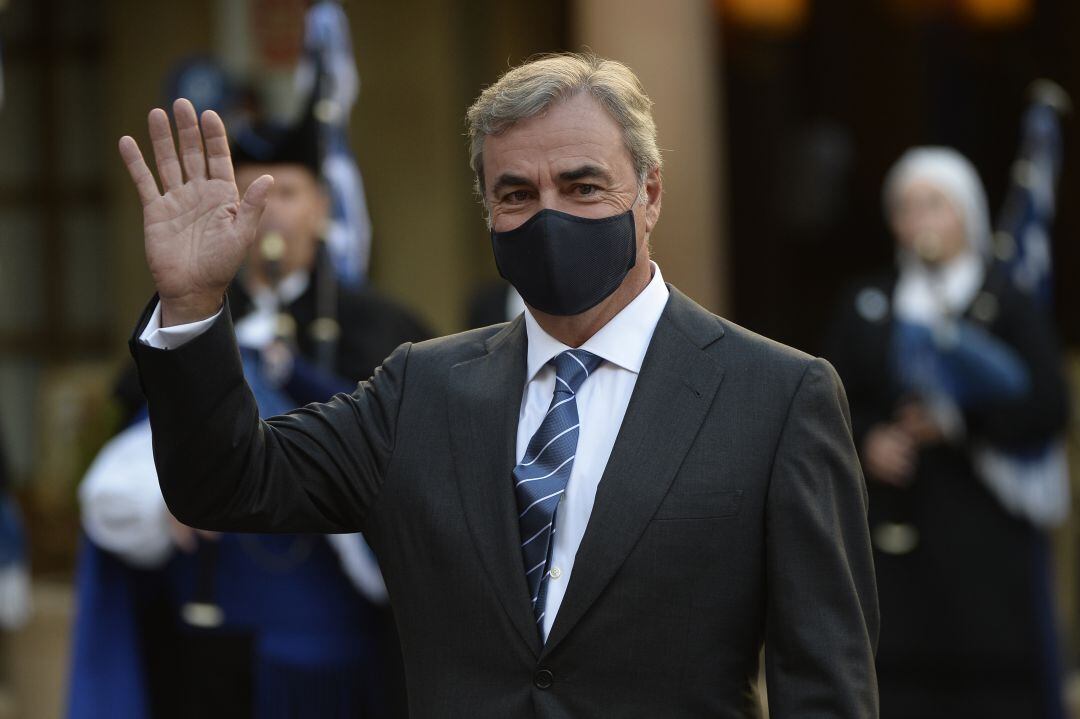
[(953, 375), (288, 288), (247, 625)]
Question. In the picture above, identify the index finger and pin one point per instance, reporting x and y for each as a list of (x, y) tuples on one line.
[(218, 156), (140, 173)]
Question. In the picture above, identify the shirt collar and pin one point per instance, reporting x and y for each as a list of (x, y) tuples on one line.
[(623, 341)]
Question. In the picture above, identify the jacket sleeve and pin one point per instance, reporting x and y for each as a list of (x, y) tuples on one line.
[(315, 469), (822, 622)]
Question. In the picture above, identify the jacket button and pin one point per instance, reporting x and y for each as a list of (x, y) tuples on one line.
[(543, 679)]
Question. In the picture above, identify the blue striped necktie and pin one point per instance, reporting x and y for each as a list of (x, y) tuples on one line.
[(540, 479)]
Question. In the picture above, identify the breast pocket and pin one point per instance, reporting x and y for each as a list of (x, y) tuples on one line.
[(700, 505)]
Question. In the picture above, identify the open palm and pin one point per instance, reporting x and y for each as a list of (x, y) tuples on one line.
[(198, 230)]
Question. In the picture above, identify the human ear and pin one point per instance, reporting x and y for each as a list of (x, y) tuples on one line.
[(654, 190)]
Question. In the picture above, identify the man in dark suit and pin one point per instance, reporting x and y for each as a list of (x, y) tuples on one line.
[(600, 509)]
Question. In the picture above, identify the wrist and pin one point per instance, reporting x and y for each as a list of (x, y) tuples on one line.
[(185, 310)]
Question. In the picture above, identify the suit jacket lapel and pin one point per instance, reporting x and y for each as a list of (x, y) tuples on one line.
[(676, 374), (485, 398)]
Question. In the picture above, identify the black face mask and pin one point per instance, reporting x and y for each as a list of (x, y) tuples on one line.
[(564, 264)]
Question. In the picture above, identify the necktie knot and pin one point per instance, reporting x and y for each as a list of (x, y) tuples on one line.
[(572, 368)]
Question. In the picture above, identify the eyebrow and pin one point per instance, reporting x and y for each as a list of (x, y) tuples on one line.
[(585, 171), (578, 173)]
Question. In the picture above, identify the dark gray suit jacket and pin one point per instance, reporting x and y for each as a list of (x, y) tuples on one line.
[(732, 512)]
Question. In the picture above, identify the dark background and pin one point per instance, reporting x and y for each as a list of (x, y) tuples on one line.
[(816, 116)]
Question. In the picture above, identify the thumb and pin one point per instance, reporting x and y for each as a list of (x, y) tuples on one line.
[(253, 204)]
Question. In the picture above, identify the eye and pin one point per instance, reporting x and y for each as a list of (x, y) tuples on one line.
[(585, 189), (516, 196)]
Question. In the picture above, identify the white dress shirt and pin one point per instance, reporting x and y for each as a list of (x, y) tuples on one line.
[(601, 402)]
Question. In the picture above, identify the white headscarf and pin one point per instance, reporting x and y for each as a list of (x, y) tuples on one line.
[(956, 177), (922, 294)]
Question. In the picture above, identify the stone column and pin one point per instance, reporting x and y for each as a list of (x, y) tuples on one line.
[(674, 48)]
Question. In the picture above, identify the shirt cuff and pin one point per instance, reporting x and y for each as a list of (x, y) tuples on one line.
[(170, 338)]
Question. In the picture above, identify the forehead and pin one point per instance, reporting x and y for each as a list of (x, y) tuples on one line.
[(921, 190), (571, 132)]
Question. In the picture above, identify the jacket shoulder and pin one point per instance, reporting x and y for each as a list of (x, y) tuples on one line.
[(755, 352), (746, 355), (462, 346)]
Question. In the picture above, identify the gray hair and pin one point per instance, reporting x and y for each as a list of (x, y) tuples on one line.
[(529, 89)]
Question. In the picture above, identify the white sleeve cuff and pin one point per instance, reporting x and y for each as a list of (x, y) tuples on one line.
[(170, 338)]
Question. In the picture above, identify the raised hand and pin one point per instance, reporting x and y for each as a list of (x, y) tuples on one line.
[(196, 230)]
